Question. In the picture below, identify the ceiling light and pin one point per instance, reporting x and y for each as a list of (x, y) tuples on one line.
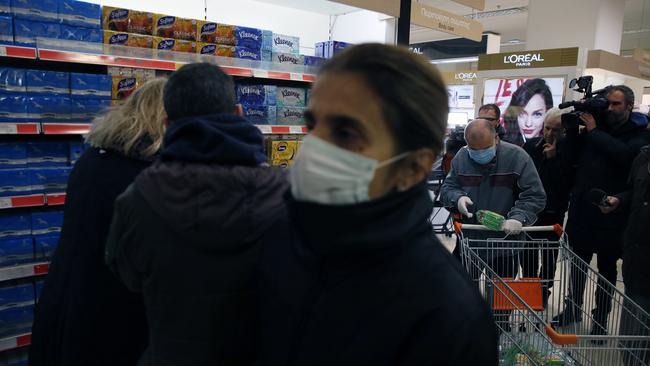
[(455, 60)]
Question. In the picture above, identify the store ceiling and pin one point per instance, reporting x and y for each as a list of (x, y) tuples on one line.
[(636, 26), (315, 6)]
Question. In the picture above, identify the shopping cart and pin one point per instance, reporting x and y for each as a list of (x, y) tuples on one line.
[(528, 284)]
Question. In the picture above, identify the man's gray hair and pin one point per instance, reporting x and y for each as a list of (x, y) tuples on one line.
[(627, 93)]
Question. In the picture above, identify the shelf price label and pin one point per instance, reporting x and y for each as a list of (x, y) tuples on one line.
[(267, 130), (3, 51), (8, 128), (5, 202), (295, 129)]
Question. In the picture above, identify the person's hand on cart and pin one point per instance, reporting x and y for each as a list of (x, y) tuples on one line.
[(463, 204), (512, 227)]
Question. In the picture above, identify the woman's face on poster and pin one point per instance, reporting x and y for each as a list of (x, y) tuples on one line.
[(531, 117)]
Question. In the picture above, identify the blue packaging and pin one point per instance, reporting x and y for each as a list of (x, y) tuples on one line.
[(267, 40), (267, 56), (17, 357), (256, 95), (285, 44), (26, 31), (39, 288), (37, 10), (16, 293), (314, 61), (44, 246), (47, 154), (80, 13), (15, 251), (260, 115), (291, 116), (6, 30), (15, 182), (52, 108), (15, 225), (13, 155), (291, 97), (75, 150), (335, 47), (13, 108), (49, 180), (81, 34), (288, 59), (320, 50), (49, 222), (86, 109), (16, 308), (5, 7), (90, 85), (12, 80), (250, 38), (245, 53), (53, 82)]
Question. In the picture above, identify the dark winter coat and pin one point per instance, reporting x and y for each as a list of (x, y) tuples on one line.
[(188, 236), (636, 240), (370, 285), (603, 160), (556, 175), (85, 315)]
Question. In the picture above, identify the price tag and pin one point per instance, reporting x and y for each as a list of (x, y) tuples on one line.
[(3, 51), (265, 129), (5, 202), (295, 129), (297, 77), (8, 128), (260, 73)]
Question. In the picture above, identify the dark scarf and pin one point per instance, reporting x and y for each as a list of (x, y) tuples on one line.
[(225, 139)]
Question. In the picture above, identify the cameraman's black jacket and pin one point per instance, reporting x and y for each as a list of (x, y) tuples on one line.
[(603, 160), (636, 201)]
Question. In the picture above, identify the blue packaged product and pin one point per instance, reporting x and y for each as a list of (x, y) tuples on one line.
[(81, 34), (12, 80), (16, 320), (14, 251), (5, 7), (291, 97), (15, 182), (79, 13), (75, 150), (38, 10), (16, 293), (320, 49), (46, 222), (44, 246), (50, 180), (291, 116), (260, 115), (15, 225), (285, 44), (314, 61), (335, 47), (90, 85), (26, 31), (53, 108), (267, 56), (13, 155), (245, 53), (288, 59), (260, 95), (13, 108), (86, 109), (267, 40), (47, 154), (39, 288), (250, 38), (6, 30), (53, 82)]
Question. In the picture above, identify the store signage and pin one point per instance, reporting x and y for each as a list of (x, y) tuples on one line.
[(558, 57), (474, 4), (459, 77), (438, 19), (388, 7)]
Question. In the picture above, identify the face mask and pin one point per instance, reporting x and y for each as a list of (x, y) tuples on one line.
[(327, 174), (483, 156)]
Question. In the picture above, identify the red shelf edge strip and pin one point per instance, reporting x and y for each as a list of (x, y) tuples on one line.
[(70, 129), (28, 201), (55, 199), (41, 269), (87, 58), (21, 52), (23, 340)]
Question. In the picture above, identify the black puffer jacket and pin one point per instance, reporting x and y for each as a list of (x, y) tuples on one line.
[(188, 235)]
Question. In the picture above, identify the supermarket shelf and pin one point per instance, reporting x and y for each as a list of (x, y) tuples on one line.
[(24, 271), (65, 128), (19, 52), (48, 128), (109, 60), (282, 130), (22, 201), (14, 342), (20, 128)]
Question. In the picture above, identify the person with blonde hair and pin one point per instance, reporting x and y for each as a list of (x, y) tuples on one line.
[(85, 315)]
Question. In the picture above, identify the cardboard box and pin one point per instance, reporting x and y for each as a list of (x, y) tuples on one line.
[(245, 53), (13, 155), (168, 26), (256, 95), (288, 59), (206, 31), (47, 154), (90, 85), (45, 245), (290, 97), (283, 150), (260, 115), (225, 34), (11, 224), (47, 222), (247, 37), (285, 44), (48, 108), (15, 251), (84, 109), (126, 20), (14, 182), (123, 87), (128, 39), (175, 45), (13, 108), (293, 116)]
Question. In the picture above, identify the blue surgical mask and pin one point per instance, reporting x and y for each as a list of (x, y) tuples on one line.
[(483, 156)]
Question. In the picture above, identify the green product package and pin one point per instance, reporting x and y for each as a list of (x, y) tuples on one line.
[(489, 219)]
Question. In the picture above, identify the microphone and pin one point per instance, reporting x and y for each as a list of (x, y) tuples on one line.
[(598, 197)]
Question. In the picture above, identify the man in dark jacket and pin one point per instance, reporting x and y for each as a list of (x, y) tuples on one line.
[(492, 113), (188, 232), (604, 154), (636, 256)]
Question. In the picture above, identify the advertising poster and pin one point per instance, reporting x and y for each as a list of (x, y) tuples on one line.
[(461, 96)]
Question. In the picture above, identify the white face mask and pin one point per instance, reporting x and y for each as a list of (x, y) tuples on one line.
[(327, 174)]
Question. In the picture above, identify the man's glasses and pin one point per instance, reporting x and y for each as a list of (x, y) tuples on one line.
[(491, 119)]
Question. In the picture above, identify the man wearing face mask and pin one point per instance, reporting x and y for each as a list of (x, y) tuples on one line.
[(603, 153)]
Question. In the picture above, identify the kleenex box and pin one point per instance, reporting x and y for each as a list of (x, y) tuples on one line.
[(290, 97), (13, 155), (45, 245), (250, 38), (314, 61), (47, 154), (14, 251), (246, 53), (15, 182), (261, 95), (260, 115), (291, 116), (288, 59), (41, 81), (79, 13), (39, 10), (47, 222), (285, 44), (15, 225)]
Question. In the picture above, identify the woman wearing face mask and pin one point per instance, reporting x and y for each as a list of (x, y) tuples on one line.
[(362, 280), (524, 118)]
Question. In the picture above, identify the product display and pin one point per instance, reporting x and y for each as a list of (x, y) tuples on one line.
[(48, 108), (126, 20), (26, 31), (38, 10), (14, 225), (12, 80), (90, 85), (175, 45), (46, 222), (288, 59), (14, 182), (6, 30), (15, 251), (16, 307), (290, 116), (79, 13), (260, 114), (13, 108), (285, 44), (291, 97), (260, 95), (47, 154), (13, 155), (51, 82), (81, 34), (123, 86), (128, 39), (166, 26), (44, 246)]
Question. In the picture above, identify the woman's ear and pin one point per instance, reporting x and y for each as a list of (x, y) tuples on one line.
[(415, 169)]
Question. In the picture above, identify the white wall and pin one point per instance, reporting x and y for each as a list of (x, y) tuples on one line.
[(360, 27)]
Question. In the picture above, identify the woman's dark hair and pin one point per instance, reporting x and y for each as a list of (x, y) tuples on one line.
[(520, 98), (414, 97)]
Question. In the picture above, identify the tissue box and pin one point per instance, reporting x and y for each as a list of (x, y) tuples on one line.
[(47, 154), (167, 26), (291, 97), (13, 155), (314, 61), (288, 59), (206, 31), (13, 108), (39, 10), (76, 149), (225, 51), (12, 80), (291, 116), (90, 85), (175, 45), (15, 251), (81, 34), (283, 150), (260, 115), (79, 13), (127, 39), (126, 20), (26, 31), (248, 54), (285, 44), (123, 87), (51, 108), (47, 222), (14, 225), (267, 56), (14, 182), (45, 245), (203, 48), (53, 82), (6, 30), (50, 180), (86, 109), (256, 95), (329, 49), (267, 40), (250, 38)]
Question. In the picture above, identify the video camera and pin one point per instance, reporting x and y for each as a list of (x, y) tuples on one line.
[(594, 102)]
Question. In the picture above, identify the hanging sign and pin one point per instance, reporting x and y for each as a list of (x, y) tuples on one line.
[(438, 19), (474, 4), (388, 7)]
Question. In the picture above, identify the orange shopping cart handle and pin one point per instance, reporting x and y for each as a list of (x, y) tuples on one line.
[(561, 339)]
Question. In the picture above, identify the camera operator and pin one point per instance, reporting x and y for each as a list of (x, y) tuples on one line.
[(603, 153)]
